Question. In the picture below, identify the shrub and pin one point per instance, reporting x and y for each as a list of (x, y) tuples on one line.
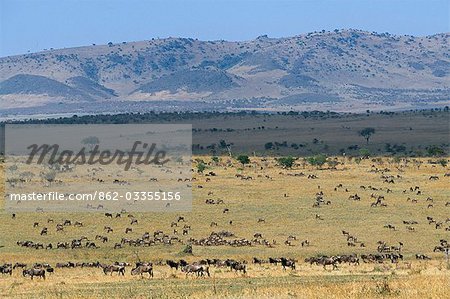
[(286, 162), (244, 159), (317, 160)]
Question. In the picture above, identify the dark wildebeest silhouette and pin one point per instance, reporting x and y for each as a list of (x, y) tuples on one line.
[(173, 264), (34, 272), (290, 263)]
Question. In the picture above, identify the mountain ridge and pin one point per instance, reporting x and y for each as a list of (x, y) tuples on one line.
[(353, 68)]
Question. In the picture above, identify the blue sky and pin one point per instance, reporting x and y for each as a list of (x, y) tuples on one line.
[(34, 25)]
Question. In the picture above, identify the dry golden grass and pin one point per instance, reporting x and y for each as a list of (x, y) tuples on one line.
[(248, 201)]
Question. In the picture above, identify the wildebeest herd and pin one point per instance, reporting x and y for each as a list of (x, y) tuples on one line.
[(125, 232)]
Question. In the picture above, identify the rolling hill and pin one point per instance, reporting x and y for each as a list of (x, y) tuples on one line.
[(341, 70)]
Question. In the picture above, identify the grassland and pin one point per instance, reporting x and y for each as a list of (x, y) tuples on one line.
[(247, 201)]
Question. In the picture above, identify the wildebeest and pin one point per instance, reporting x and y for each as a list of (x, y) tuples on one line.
[(173, 264), (34, 272), (274, 260), (142, 268), (290, 263), (114, 268), (239, 267), (19, 265), (420, 256), (323, 260), (200, 270), (6, 269), (257, 261)]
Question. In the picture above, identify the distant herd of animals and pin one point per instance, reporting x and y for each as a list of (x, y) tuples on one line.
[(180, 231), (201, 268)]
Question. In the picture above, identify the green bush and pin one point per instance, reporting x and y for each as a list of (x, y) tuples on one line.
[(286, 162)]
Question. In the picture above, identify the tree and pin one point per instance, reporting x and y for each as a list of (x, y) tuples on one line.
[(435, 151), (317, 160), (286, 162), (367, 133), (364, 153), (244, 159), (201, 167)]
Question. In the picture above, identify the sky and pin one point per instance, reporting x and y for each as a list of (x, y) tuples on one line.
[(34, 25)]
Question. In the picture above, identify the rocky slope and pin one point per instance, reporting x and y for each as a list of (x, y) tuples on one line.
[(340, 70)]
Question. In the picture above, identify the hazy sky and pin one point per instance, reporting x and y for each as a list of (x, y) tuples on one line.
[(33, 25)]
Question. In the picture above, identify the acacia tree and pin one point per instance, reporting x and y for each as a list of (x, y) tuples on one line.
[(317, 160), (286, 162), (367, 133), (201, 166), (244, 159)]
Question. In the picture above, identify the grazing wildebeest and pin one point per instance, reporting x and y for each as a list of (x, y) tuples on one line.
[(328, 261), (59, 227), (183, 263), (91, 245), (114, 268), (287, 263), (257, 261), (422, 257), (305, 243), (19, 265), (172, 264), (257, 235), (200, 270), (76, 244), (142, 268), (274, 260), (239, 267), (34, 272), (78, 224), (6, 269)]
